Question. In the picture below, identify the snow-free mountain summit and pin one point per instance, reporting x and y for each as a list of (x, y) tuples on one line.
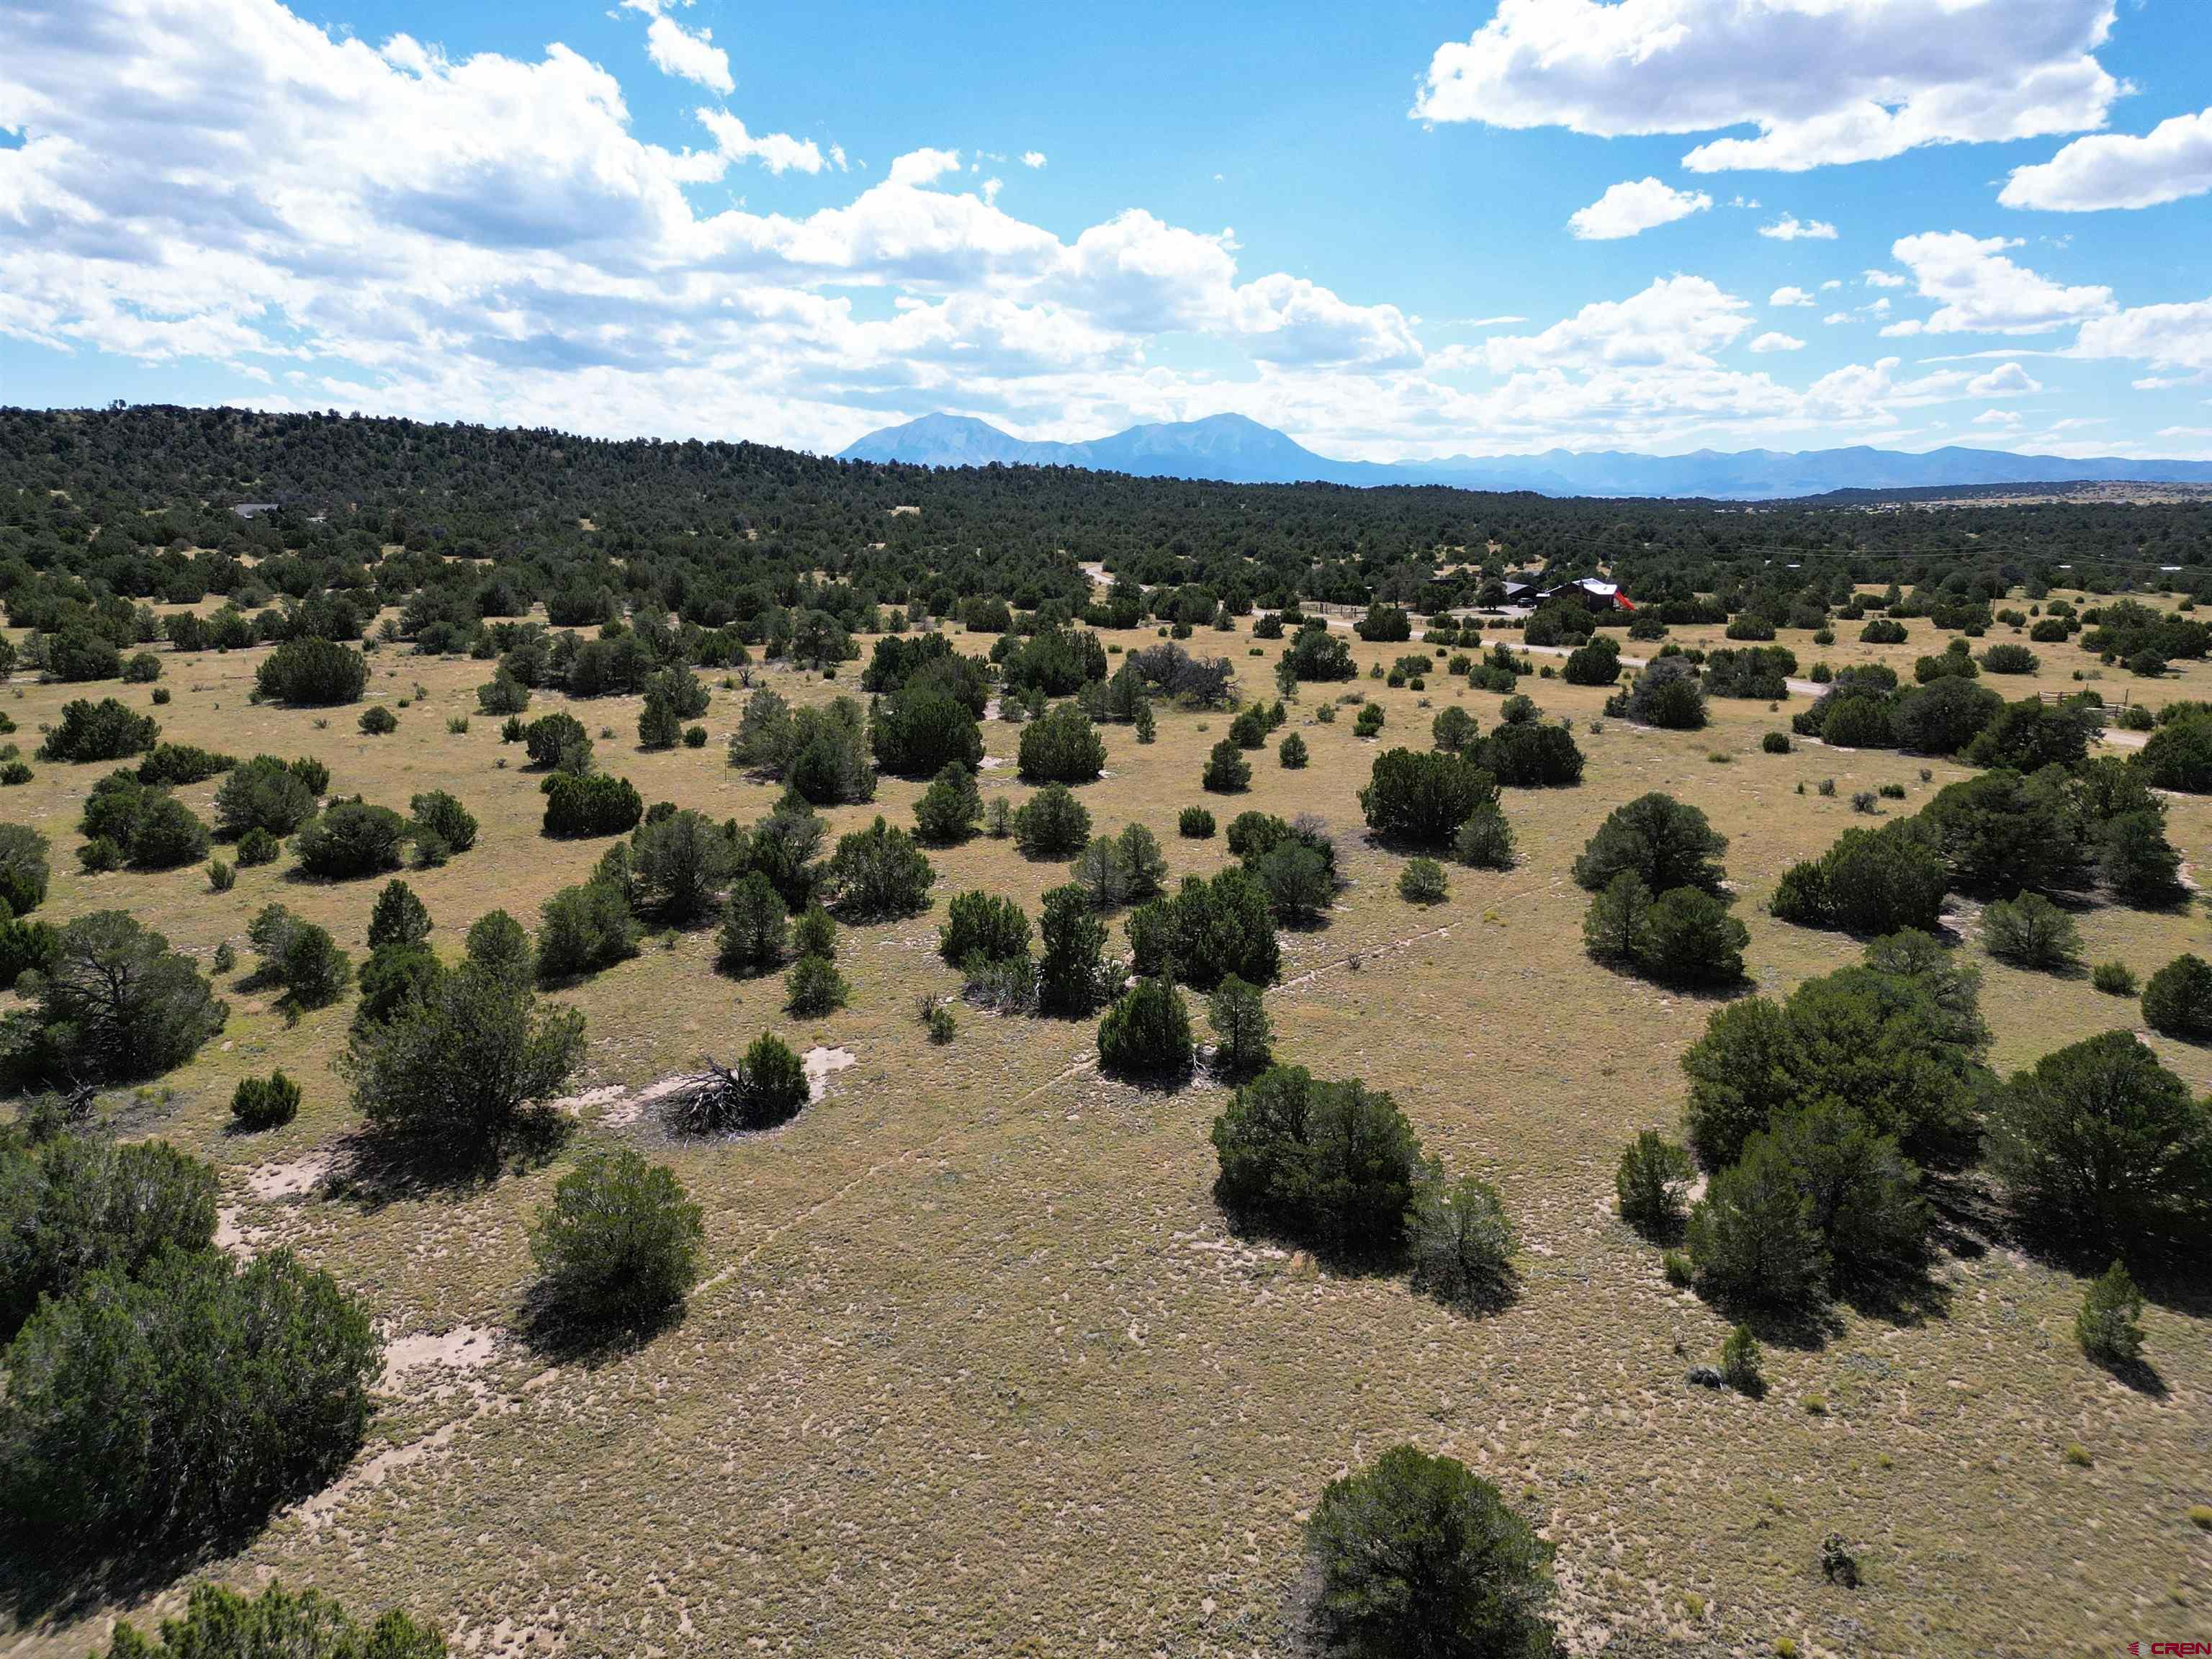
[(1234, 449)]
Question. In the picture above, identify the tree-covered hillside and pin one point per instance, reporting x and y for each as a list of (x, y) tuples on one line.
[(131, 502)]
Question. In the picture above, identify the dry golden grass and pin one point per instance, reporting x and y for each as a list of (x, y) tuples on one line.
[(979, 1367)]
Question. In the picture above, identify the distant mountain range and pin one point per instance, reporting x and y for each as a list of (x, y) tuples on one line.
[(1235, 449)]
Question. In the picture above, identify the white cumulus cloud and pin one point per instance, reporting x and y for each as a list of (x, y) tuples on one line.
[(1777, 341), (1632, 208), (2009, 381), (2165, 336), (1678, 320), (1789, 296), (1824, 80), (778, 152), (1790, 228), (676, 51), (1032, 158), (2115, 170), (1982, 291)]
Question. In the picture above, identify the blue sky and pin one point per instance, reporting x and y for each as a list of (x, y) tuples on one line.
[(1391, 231)]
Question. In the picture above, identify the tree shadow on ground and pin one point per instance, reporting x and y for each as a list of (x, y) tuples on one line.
[(371, 1170), (1905, 1299), (559, 1338), (2139, 1375), (40, 1584), (1715, 995)]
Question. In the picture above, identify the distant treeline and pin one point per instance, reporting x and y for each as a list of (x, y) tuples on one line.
[(103, 511)]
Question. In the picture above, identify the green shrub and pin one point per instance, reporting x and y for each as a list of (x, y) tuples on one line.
[(1664, 843), (1291, 752), (814, 987), (312, 672), (591, 806), (350, 840), (265, 1103), (1239, 1014), (2031, 931), (263, 794), (558, 742), (114, 1002), (219, 1622), (1146, 1033), (1461, 1244), (756, 930), (1422, 882), (1485, 841), (1071, 941), (171, 764), (948, 809), (104, 731), (393, 976), (301, 956), (1330, 1164), (1668, 695), (1052, 823), (620, 1243), (1649, 1183), (2177, 1000), (83, 1204), (378, 721), (250, 1388), (766, 1087), (1531, 755), (1775, 743), (2114, 979), (1209, 929), (1740, 1362), (585, 928), (440, 822), (2099, 1145), (456, 1072), (1195, 824), (1417, 1555), (1227, 772), (1421, 798), (2109, 1327), (1063, 747), (815, 934)]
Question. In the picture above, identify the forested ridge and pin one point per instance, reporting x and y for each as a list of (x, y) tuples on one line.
[(725, 533)]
